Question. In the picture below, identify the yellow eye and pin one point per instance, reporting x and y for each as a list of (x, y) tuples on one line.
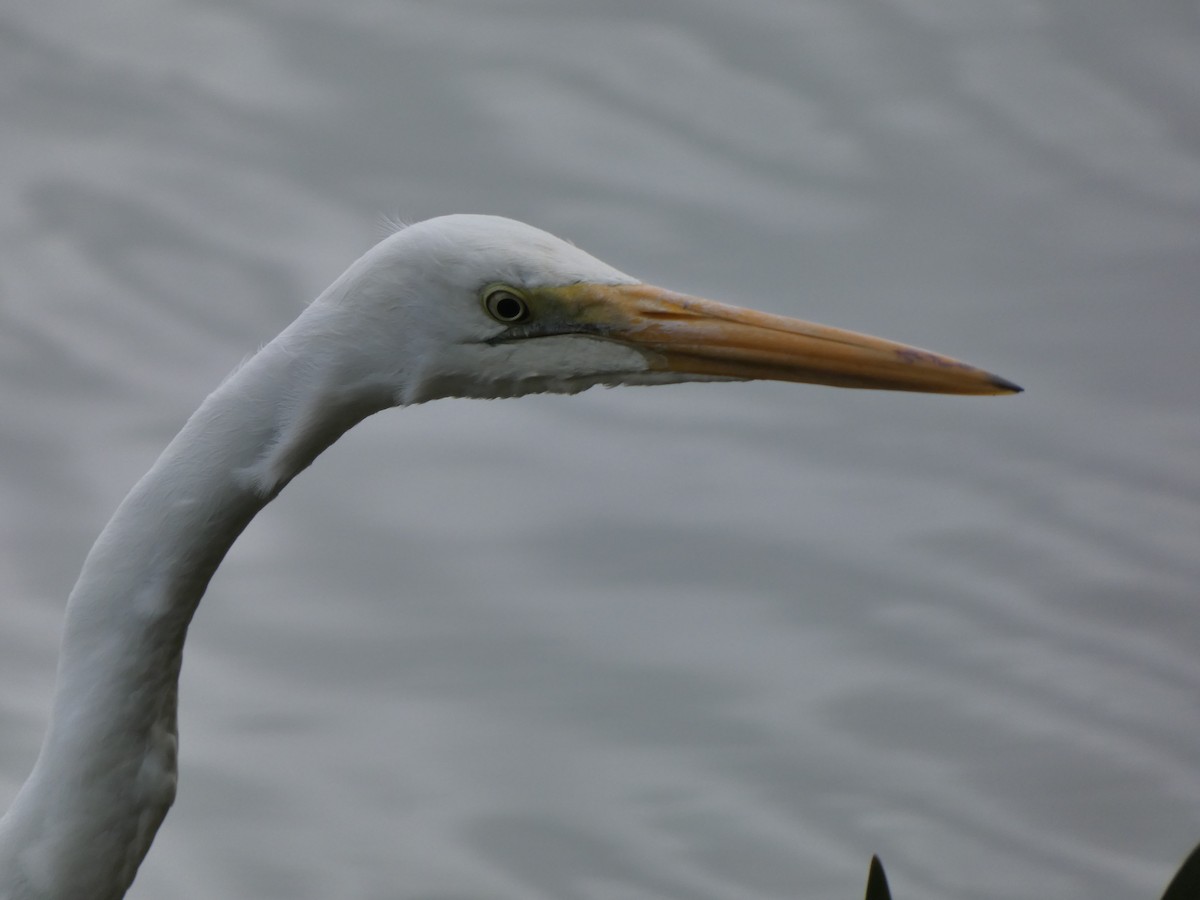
[(505, 306)]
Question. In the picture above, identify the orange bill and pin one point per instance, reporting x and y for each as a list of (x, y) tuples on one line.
[(690, 335)]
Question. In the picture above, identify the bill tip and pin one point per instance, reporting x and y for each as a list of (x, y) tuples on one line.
[(1007, 386)]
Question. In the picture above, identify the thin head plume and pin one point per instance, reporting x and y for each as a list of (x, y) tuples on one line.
[(389, 224)]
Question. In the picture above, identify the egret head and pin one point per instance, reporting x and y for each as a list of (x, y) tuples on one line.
[(489, 307)]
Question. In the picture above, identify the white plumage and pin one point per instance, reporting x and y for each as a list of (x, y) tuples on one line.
[(460, 306)]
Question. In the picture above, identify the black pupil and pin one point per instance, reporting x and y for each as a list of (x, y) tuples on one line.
[(508, 307)]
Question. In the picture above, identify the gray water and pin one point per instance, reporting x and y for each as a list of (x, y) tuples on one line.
[(710, 641)]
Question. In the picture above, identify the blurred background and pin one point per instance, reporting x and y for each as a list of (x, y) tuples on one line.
[(709, 642)]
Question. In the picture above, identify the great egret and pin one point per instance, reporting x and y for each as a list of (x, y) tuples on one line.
[(459, 306)]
